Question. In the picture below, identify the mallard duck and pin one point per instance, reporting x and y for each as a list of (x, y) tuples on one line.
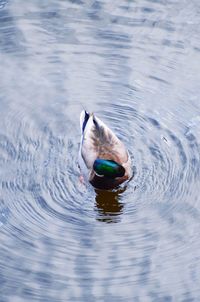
[(103, 158)]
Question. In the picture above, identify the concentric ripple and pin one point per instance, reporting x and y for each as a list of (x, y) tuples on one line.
[(48, 210), (135, 64)]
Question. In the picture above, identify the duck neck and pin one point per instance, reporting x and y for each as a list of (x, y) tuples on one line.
[(105, 183)]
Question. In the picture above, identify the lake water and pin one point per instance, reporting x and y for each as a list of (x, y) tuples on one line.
[(136, 64)]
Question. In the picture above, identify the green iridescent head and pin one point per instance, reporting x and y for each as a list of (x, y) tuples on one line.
[(108, 168)]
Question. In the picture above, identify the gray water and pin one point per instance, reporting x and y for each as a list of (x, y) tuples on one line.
[(136, 64)]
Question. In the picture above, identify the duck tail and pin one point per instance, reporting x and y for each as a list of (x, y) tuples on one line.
[(84, 117)]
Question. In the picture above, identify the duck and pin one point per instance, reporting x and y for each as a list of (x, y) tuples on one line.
[(103, 157)]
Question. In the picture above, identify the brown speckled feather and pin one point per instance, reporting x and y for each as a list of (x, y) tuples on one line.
[(99, 141)]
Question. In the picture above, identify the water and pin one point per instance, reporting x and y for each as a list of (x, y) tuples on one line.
[(136, 64)]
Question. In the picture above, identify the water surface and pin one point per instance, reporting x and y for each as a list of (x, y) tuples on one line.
[(136, 64)]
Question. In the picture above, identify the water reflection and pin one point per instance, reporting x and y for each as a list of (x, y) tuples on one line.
[(108, 205)]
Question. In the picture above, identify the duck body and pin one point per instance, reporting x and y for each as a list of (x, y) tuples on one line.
[(103, 158)]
